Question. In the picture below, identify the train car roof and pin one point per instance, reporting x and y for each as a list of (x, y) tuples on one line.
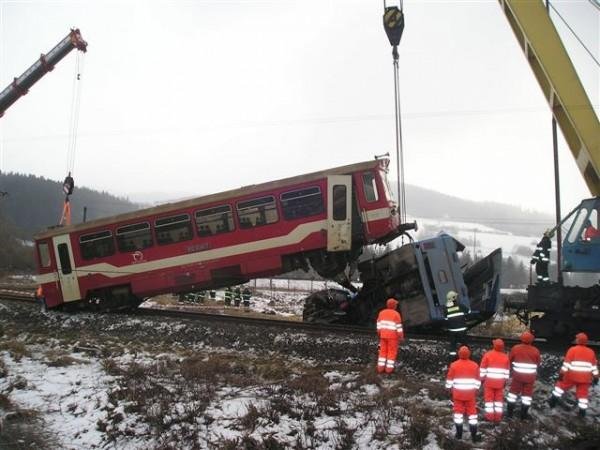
[(221, 196)]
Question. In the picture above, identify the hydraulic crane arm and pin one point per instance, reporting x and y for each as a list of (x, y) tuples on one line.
[(43, 65), (560, 84)]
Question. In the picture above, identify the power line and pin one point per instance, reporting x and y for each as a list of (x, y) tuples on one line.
[(575, 34)]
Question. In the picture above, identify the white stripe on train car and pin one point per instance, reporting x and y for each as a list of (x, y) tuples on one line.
[(296, 235)]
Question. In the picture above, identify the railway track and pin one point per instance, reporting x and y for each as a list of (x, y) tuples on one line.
[(8, 292), (17, 293)]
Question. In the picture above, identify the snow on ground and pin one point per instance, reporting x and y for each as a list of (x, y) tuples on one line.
[(69, 398), (112, 381)]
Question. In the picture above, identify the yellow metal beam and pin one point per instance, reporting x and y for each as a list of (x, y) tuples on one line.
[(560, 84)]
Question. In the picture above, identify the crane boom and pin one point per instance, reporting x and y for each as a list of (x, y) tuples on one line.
[(560, 84), (43, 65)]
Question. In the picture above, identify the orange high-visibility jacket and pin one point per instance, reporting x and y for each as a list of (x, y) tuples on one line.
[(494, 369), (525, 359), (389, 324), (463, 379), (580, 364)]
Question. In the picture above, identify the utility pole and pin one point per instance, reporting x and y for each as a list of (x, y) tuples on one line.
[(556, 191)]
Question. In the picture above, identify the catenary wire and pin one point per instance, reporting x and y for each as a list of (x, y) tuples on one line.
[(574, 34)]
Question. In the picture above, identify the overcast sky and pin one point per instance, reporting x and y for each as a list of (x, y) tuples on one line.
[(194, 97)]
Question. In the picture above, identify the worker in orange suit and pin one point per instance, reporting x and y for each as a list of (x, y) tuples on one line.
[(494, 370), (390, 332), (463, 381), (579, 369), (525, 359)]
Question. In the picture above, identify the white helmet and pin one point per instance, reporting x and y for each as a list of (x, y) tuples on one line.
[(451, 297)]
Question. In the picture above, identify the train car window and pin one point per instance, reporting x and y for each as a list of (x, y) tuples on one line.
[(170, 230), (370, 187), (65, 261), (302, 203), (44, 254), (134, 237), (339, 202), (386, 185), (257, 212), (442, 276), (214, 220), (97, 245)]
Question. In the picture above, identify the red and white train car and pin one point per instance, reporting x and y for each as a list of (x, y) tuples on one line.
[(323, 218)]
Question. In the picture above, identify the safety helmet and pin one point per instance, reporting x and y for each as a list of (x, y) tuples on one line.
[(527, 337), (451, 297), (464, 352), (581, 339), (391, 303), (548, 232), (498, 345)]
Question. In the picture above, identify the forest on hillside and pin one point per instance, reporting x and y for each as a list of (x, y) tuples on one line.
[(32, 204)]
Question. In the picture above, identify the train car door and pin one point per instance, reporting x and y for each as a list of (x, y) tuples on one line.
[(66, 268), (339, 213)]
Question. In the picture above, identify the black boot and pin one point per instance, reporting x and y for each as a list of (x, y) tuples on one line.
[(581, 412), (510, 409), (553, 401), (458, 434), (474, 436), (524, 414)]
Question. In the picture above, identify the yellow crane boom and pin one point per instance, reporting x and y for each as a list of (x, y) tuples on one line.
[(560, 84)]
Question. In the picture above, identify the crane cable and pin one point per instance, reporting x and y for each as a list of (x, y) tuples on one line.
[(69, 184), (393, 23), (74, 118)]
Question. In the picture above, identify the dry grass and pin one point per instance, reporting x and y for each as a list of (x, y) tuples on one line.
[(59, 358), (16, 349), (501, 326)]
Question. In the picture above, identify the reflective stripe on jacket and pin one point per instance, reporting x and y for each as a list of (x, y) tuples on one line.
[(389, 324), (580, 364), (455, 318), (525, 359), (494, 369), (463, 379)]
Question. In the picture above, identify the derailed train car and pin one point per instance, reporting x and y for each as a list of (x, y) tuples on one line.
[(418, 274)]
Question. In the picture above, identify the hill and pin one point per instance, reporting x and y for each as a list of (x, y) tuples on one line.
[(35, 203), (428, 204)]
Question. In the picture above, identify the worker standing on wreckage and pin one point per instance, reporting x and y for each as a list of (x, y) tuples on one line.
[(579, 370), (463, 382), (456, 322), (391, 333), (541, 258)]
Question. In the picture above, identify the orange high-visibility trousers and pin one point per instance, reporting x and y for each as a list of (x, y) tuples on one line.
[(388, 351), (494, 403)]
